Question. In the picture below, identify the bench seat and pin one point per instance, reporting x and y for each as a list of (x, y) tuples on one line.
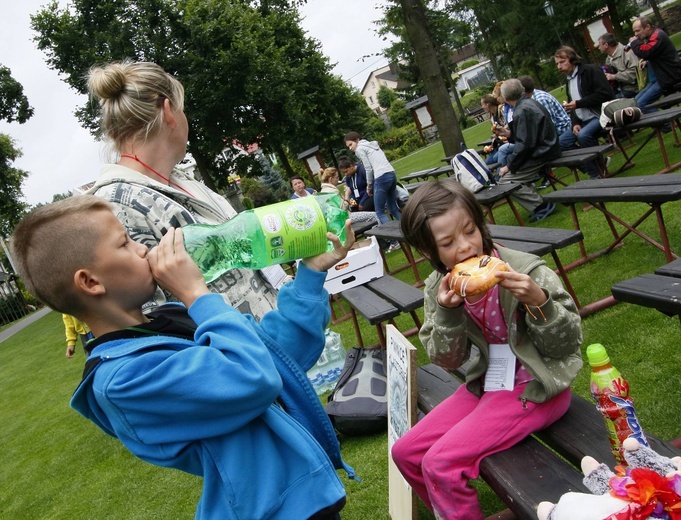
[(545, 465), (380, 301), (651, 290)]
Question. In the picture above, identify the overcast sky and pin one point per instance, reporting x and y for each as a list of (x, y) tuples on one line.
[(59, 154)]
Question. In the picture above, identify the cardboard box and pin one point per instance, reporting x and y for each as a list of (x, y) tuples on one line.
[(362, 265)]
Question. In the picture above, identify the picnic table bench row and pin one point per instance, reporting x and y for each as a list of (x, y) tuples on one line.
[(661, 290), (546, 464)]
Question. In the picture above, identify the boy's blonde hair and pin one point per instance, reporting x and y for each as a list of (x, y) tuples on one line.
[(50, 244), (131, 95)]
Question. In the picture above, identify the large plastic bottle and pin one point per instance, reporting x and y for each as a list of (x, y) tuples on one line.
[(335, 358), (266, 236), (611, 393)]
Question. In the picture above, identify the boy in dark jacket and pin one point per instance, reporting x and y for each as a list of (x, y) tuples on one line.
[(201, 387)]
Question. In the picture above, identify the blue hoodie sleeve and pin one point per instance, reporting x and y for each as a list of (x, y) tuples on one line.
[(303, 313)]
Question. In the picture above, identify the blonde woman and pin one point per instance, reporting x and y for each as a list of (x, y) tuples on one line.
[(330, 178), (144, 123)]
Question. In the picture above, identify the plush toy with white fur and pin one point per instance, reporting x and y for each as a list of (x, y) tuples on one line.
[(650, 487)]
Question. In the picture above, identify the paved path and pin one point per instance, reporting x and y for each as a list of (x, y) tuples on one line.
[(25, 322)]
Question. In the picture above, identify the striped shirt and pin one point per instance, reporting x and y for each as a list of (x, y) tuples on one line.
[(559, 116)]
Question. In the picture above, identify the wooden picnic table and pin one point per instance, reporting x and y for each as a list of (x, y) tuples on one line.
[(656, 121), (488, 197), (651, 190), (425, 174)]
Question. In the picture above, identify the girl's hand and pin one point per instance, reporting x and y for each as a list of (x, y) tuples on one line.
[(446, 297), (523, 287), (174, 270)]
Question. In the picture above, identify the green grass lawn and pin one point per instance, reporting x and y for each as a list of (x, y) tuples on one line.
[(57, 465)]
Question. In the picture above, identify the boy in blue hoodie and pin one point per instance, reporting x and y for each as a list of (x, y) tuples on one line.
[(198, 387)]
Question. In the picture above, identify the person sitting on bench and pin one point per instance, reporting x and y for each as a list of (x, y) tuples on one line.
[(528, 321)]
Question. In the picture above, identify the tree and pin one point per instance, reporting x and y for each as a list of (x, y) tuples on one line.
[(250, 73), (431, 74), (13, 103), (385, 97), (11, 179), (14, 107), (398, 115)]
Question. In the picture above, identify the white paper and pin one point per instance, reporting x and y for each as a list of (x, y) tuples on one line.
[(500, 373), (275, 274)]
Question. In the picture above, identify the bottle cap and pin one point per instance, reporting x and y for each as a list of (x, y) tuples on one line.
[(597, 355)]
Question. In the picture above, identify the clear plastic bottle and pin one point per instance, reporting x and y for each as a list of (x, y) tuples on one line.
[(266, 236), (611, 393), (335, 355)]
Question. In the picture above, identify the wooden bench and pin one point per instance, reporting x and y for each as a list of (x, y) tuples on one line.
[(381, 301), (476, 112), (661, 290), (429, 173), (546, 464), (574, 159)]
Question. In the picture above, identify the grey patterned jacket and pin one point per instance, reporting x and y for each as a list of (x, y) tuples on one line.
[(549, 349), (147, 209)]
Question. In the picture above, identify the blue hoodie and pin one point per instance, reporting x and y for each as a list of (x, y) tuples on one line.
[(213, 406)]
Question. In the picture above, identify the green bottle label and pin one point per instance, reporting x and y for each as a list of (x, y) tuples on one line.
[(293, 229)]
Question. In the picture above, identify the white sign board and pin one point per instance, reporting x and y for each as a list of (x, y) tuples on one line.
[(402, 415)]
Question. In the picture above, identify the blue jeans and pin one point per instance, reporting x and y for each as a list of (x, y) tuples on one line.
[(650, 93), (385, 193), (587, 136), (505, 151)]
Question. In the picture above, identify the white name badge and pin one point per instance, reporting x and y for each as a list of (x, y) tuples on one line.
[(500, 373), (356, 192)]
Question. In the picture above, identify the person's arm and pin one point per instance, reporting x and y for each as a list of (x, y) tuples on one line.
[(558, 312), (71, 335), (646, 50), (443, 334), (595, 89), (368, 169), (628, 75)]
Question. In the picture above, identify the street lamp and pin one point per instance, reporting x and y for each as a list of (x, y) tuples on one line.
[(548, 8)]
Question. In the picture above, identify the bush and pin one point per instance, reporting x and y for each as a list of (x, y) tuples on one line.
[(400, 142), (247, 203)]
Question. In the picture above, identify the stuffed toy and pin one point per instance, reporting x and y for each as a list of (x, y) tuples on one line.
[(650, 487)]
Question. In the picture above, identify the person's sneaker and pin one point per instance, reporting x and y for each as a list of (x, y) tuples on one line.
[(545, 184), (545, 210), (393, 246)]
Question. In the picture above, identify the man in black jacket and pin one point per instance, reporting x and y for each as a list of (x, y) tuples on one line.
[(536, 143), (587, 89), (653, 45)]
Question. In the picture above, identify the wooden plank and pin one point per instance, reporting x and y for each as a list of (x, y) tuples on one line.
[(647, 194), (371, 306), (651, 290), (534, 248), (558, 238), (623, 182), (671, 269), (405, 297)]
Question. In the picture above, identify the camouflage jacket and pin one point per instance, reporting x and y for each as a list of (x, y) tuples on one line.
[(147, 209)]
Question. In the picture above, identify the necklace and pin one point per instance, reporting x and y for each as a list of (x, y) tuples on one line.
[(167, 179)]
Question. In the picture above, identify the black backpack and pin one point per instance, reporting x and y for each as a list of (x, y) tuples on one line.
[(358, 405)]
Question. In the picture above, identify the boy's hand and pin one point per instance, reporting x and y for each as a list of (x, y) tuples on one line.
[(328, 259), (523, 287), (174, 270), (70, 350), (445, 296)]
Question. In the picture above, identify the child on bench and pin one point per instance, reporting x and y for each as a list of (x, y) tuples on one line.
[(527, 321), (201, 387)]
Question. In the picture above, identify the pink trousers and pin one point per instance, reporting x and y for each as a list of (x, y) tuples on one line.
[(443, 451)]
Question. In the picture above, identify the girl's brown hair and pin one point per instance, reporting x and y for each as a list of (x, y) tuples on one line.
[(432, 200)]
